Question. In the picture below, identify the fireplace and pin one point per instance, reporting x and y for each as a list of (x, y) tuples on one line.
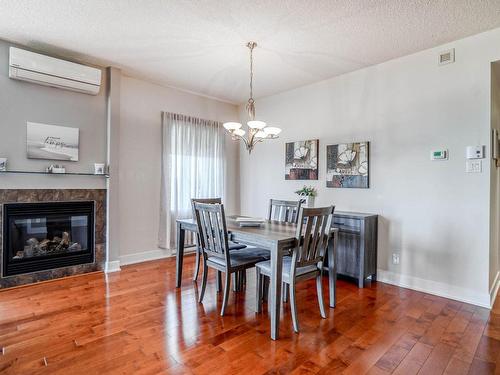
[(48, 235)]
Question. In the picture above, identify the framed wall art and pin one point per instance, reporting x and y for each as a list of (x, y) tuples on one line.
[(52, 142), (347, 165), (301, 160)]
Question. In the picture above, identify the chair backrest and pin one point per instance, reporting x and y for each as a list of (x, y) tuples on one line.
[(312, 236), (204, 200), (284, 211), (212, 229)]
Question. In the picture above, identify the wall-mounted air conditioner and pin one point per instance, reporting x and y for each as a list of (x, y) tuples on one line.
[(49, 71)]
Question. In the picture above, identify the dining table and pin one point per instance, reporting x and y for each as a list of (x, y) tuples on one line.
[(278, 238)]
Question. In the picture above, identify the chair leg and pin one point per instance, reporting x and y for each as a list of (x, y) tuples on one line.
[(293, 305), (319, 287), (258, 290), (204, 280), (285, 292), (265, 289), (218, 281), (235, 281), (227, 286), (240, 281), (197, 264)]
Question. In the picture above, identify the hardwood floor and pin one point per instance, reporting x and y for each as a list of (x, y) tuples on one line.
[(136, 322)]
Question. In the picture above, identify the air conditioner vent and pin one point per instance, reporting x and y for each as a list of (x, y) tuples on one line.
[(447, 57), (49, 71)]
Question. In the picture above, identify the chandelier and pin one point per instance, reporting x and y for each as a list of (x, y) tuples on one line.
[(257, 130)]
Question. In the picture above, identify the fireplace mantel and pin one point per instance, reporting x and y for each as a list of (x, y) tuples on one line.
[(9, 196)]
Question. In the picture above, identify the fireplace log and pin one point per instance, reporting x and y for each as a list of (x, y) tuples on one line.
[(65, 239), (28, 251), (33, 242), (43, 244), (19, 255)]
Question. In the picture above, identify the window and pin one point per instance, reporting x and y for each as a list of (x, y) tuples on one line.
[(193, 166)]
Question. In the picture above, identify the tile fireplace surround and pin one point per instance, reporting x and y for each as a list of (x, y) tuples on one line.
[(58, 195)]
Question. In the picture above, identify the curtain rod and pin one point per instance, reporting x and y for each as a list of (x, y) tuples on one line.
[(187, 117)]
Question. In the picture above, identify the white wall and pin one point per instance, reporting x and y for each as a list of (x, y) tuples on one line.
[(140, 160), (433, 213)]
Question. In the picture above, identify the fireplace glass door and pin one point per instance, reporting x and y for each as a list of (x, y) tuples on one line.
[(41, 236)]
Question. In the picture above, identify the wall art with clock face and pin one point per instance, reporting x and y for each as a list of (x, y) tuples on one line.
[(347, 165), (301, 160)]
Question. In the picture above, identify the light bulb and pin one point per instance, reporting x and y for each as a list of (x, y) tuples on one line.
[(255, 124), (260, 134), (231, 125), (239, 132)]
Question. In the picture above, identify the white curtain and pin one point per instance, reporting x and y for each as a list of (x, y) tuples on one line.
[(193, 166)]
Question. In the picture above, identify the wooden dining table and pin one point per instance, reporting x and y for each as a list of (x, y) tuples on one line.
[(276, 236)]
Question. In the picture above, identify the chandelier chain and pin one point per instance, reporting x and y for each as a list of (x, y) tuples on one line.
[(251, 71)]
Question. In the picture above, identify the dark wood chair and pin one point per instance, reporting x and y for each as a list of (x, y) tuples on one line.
[(232, 245), (306, 261), (214, 243), (284, 211)]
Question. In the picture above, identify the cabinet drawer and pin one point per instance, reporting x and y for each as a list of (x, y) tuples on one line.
[(347, 224)]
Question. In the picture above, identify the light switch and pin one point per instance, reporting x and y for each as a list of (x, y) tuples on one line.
[(473, 166)]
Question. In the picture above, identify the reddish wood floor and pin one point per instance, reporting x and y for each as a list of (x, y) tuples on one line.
[(136, 322)]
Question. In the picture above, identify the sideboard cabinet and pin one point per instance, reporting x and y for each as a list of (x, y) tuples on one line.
[(356, 255)]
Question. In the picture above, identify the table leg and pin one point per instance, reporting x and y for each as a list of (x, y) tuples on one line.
[(179, 256), (332, 271), (275, 297)]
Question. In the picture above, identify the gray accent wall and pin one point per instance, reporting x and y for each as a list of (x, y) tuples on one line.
[(21, 102)]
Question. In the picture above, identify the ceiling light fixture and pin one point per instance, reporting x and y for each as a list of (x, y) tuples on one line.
[(257, 130)]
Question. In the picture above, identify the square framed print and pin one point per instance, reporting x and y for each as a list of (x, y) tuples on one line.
[(301, 160), (347, 165)]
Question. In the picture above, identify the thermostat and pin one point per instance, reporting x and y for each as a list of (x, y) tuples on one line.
[(474, 152), (439, 155)]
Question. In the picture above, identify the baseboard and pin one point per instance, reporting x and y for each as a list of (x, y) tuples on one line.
[(494, 289), (112, 266), (145, 256), (435, 288)]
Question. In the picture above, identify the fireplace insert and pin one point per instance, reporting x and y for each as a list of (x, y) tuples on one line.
[(43, 236)]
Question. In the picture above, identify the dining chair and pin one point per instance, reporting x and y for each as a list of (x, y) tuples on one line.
[(284, 211), (306, 261), (232, 245), (214, 243)]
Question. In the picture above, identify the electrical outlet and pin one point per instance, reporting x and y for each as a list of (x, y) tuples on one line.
[(395, 258)]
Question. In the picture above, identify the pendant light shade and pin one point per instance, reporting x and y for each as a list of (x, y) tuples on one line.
[(257, 129)]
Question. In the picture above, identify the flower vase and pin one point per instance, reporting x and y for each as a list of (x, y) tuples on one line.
[(309, 201)]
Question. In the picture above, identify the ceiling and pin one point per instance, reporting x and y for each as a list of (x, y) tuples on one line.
[(200, 45)]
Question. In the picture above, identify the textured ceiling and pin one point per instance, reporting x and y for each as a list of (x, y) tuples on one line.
[(200, 45)]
